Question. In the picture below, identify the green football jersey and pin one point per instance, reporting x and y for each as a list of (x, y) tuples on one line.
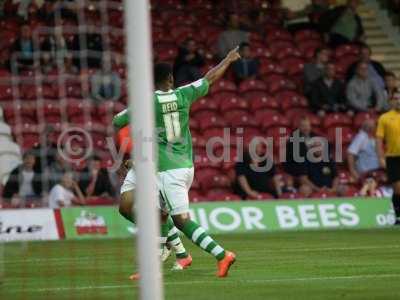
[(172, 108)]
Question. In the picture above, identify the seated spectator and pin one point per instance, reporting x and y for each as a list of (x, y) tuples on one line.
[(309, 17), (69, 67), (256, 174), (327, 94), (320, 168), (391, 88), (285, 184), (66, 193), (95, 180), (305, 191), (363, 93), (315, 70), (188, 63), (22, 56), (247, 66), (105, 85), (376, 71), (297, 148), (371, 189), (24, 183), (56, 170), (55, 48), (362, 157), (232, 36), (343, 24)]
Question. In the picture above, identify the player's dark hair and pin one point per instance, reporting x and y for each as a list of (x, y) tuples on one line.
[(161, 72)]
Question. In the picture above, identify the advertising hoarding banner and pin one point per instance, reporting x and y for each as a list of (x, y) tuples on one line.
[(244, 216), (27, 225)]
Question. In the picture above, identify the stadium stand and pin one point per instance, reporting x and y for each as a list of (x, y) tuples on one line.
[(34, 99)]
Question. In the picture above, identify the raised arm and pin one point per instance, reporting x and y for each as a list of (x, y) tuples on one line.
[(218, 71)]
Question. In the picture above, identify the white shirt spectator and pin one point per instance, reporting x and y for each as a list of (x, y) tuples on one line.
[(60, 194), (26, 188), (363, 147)]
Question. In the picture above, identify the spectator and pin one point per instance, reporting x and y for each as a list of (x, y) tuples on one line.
[(256, 174), (343, 24), (23, 50), (95, 180), (297, 149), (309, 17), (188, 63), (362, 92), (106, 85), (55, 49), (315, 70), (327, 94), (66, 193), (69, 67), (94, 45), (376, 71), (320, 168), (371, 189), (247, 66), (362, 157), (231, 36), (56, 170), (24, 183), (391, 89)]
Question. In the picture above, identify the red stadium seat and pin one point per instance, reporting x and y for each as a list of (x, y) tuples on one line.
[(261, 100), (308, 47), (288, 52), (306, 35), (280, 45), (224, 133), (6, 93), (278, 35), (291, 99), (323, 194), (296, 115), (208, 104), (262, 52), (293, 65), (252, 85), (233, 103), (262, 196), (346, 50), (219, 181), (195, 197), (167, 54), (268, 66), (337, 119), (222, 195), (272, 119), (361, 117), (241, 120), (210, 120), (223, 86)]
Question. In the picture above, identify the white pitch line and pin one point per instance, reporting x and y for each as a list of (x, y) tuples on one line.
[(263, 281), (71, 259)]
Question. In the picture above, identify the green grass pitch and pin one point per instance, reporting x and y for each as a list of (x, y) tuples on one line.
[(292, 265)]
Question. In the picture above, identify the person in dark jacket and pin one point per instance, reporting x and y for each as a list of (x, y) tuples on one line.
[(328, 93), (376, 70), (343, 24), (247, 66), (188, 63), (95, 180), (24, 183), (23, 50)]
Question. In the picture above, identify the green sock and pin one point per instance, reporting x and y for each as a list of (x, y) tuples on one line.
[(199, 236), (174, 240)]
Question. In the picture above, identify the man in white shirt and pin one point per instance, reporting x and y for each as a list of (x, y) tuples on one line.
[(362, 157), (62, 194)]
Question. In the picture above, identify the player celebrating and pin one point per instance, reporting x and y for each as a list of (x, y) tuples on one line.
[(175, 155), (388, 131)]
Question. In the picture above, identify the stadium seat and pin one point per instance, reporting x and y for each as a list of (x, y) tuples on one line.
[(195, 197), (233, 103), (240, 120), (6, 93), (288, 52), (346, 134), (272, 119), (223, 86), (268, 66), (280, 45), (219, 181), (291, 99), (293, 65), (262, 196), (209, 120), (337, 119), (308, 47), (222, 195), (306, 35), (261, 100), (252, 85), (359, 118), (204, 104), (261, 52), (278, 35), (295, 115), (347, 49), (323, 194)]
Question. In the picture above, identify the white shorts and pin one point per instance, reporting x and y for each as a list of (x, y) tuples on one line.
[(173, 186)]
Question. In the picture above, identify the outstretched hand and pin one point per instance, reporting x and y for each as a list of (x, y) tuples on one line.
[(233, 55)]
